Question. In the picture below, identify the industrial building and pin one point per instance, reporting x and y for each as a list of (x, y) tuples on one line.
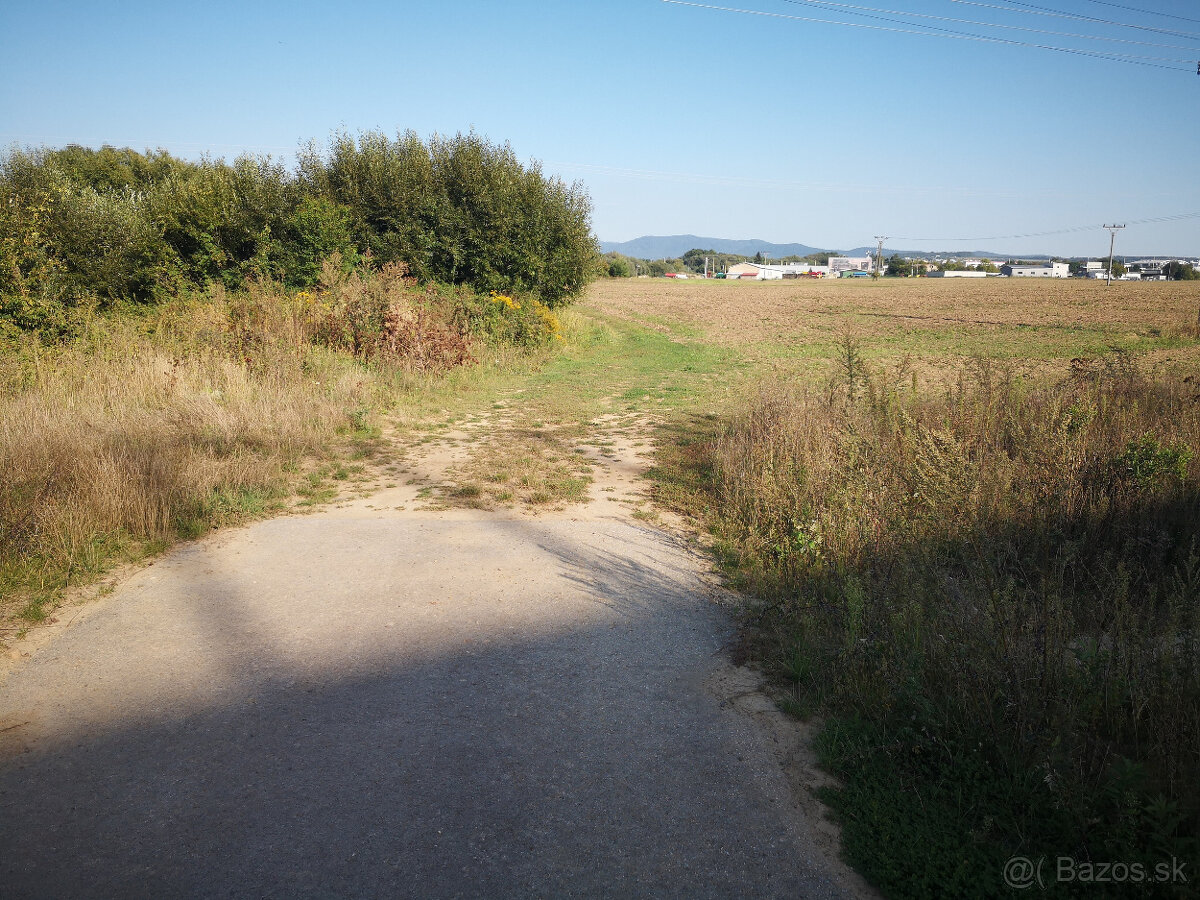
[(839, 264), (766, 272), (1049, 270)]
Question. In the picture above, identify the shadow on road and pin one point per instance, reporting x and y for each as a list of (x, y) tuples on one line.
[(528, 721)]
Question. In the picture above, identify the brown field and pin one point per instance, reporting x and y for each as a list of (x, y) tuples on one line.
[(1037, 324)]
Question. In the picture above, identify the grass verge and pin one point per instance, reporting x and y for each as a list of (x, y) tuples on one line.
[(992, 595)]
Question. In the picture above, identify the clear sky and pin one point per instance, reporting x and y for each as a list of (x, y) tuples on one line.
[(678, 119)]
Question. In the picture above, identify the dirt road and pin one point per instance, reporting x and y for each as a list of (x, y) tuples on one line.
[(381, 699)]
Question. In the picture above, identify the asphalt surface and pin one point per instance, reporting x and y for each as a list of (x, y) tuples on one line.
[(386, 705)]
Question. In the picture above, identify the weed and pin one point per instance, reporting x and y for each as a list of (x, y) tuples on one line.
[(989, 569)]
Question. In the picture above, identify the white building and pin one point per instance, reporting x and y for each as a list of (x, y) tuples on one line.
[(764, 272), (956, 273), (755, 271), (1049, 270), (839, 264)]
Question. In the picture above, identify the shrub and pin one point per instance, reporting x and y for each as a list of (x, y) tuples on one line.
[(316, 230), (78, 225), (219, 219), (460, 210)]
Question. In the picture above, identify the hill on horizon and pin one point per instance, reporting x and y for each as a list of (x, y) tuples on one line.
[(675, 245)]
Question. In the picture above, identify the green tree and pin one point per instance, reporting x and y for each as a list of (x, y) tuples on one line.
[(1178, 271), (461, 209), (619, 268), (316, 229)]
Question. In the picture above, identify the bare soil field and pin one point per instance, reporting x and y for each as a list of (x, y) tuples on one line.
[(1031, 322)]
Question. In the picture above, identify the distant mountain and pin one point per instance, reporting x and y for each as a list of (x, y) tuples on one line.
[(675, 245), (943, 254)]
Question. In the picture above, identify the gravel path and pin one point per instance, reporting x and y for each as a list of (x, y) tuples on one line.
[(382, 702)]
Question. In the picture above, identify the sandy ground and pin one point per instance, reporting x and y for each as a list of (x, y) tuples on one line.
[(390, 697)]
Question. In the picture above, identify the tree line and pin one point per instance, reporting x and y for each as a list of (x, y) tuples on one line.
[(618, 265), (83, 227)]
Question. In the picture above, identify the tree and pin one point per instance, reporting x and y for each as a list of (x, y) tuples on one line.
[(619, 268), (462, 210), (1118, 268), (1180, 271)]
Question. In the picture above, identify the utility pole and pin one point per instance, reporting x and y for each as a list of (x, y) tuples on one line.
[(879, 256), (1112, 241)]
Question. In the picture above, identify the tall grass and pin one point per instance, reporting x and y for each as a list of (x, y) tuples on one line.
[(993, 593), (154, 427)]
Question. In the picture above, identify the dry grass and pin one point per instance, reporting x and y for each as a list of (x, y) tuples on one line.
[(524, 463), (123, 447), (999, 591), (205, 411)]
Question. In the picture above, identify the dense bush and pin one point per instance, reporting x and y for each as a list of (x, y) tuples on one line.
[(995, 596), (82, 228), (460, 210)]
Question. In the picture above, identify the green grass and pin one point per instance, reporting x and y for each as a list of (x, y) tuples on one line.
[(608, 366)]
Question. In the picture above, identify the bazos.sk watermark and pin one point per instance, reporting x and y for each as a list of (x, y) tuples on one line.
[(1022, 872)]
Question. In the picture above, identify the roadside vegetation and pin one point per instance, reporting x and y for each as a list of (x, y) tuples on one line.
[(84, 230), (216, 407), (994, 595), (980, 573), (185, 345)]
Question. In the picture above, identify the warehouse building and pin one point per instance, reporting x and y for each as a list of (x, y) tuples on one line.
[(1049, 270)]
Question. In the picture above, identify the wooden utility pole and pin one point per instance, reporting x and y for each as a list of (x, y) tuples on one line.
[(1112, 241)]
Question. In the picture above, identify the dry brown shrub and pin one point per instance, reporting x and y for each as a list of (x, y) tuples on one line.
[(422, 340)]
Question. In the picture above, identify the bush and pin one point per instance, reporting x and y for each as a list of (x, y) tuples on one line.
[(219, 220), (316, 230), (461, 210), (81, 227)]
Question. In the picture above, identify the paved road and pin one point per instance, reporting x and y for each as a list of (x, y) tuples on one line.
[(368, 704)]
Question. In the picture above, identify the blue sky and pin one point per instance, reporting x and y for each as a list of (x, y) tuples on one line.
[(677, 118)]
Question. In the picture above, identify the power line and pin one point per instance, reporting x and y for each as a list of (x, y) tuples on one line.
[(916, 15), (1148, 12), (1075, 230), (942, 33), (1030, 9)]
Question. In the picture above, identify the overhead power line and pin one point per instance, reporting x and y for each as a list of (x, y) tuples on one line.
[(1075, 230), (1146, 12), (943, 33), (1024, 28), (1032, 10)]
